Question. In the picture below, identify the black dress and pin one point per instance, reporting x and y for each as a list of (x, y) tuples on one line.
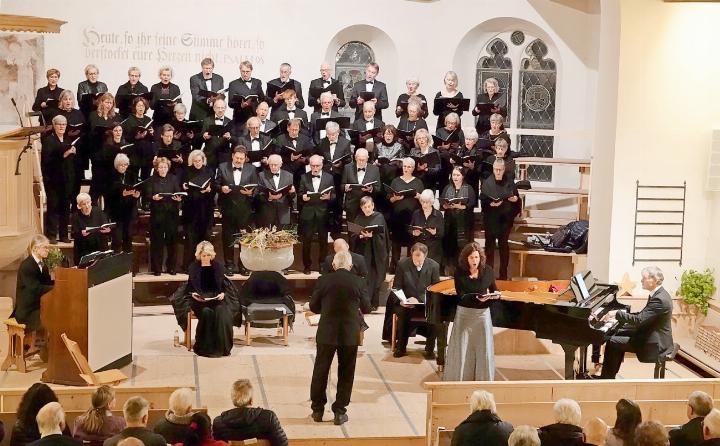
[(458, 222), (404, 98), (402, 212), (92, 242), (122, 210), (433, 242), (144, 142), (498, 220), (483, 119), (162, 105), (58, 177), (100, 129), (375, 252), (441, 114), (198, 208)]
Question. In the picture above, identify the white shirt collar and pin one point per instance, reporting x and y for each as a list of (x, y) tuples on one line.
[(655, 290), (37, 260), (419, 268)]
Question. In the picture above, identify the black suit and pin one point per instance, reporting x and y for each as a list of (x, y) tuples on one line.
[(360, 124), (359, 266), (31, 285), (650, 334), (313, 217), (342, 148), (352, 198), (337, 297), (297, 167), (236, 208), (56, 440), (380, 93), (217, 148), (689, 434), (200, 109), (336, 88), (315, 129), (413, 283), (246, 140), (276, 212), (241, 88), (278, 83)]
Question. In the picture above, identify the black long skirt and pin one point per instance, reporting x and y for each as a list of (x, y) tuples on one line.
[(214, 332)]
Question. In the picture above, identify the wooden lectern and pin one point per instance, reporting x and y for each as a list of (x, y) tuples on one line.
[(93, 306)]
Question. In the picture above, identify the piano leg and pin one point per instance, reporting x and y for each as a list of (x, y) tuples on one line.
[(569, 360), (441, 331)]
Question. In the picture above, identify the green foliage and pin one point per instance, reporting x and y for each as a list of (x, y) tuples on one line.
[(54, 258), (697, 288)]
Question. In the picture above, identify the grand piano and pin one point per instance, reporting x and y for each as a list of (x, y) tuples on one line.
[(571, 319)]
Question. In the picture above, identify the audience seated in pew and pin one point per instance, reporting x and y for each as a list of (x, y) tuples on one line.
[(627, 420), (524, 436), (566, 430), (596, 431), (711, 428), (26, 429), (651, 433), (691, 433), (135, 411), (51, 424), (98, 423), (483, 423), (200, 432), (175, 425)]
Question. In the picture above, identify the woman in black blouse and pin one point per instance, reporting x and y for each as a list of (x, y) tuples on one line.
[(75, 129), (102, 121), (502, 152), (428, 226), (403, 207), (47, 98), (88, 89), (489, 102), (198, 210), (162, 191), (165, 96), (471, 355), (427, 159), (458, 200), (454, 138), (412, 120), (57, 162), (103, 165), (121, 203), (137, 130), (404, 100), (449, 90), (386, 150)]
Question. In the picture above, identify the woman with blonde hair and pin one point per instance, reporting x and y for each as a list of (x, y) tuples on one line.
[(449, 90), (98, 423), (489, 101)]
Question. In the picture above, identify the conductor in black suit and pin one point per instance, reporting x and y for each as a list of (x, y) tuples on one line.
[(359, 172), (337, 297), (236, 203), (205, 80), (314, 203), (245, 86), (647, 333), (33, 280), (276, 101), (275, 207), (369, 84)]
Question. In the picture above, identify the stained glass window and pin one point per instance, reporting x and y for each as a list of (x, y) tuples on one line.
[(537, 88), (350, 62)]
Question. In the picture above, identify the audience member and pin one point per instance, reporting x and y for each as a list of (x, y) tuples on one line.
[(174, 426), (566, 430), (200, 432), (691, 433), (483, 425), (711, 428), (627, 420), (98, 423), (51, 424), (25, 429), (244, 421), (651, 433), (596, 431), (524, 436), (135, 411), (130, 441)]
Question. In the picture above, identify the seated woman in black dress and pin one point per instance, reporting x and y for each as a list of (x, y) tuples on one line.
[(213, 298)]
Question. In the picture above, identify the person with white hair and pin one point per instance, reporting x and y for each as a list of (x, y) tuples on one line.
[(86, 228), (337, 152), (51, 424), (650, 335), (121, 203), (276, 195), (254, 141), (338, 296), (165, 96), (275, 87), (33, 280), (711, 428), (368, 121), (691, 433), (175, 425), (403, 101), (317, 191), (483, 426), (427, 226), (403, 206), (325, 83), (489, 101), (413, 120), (524, 436), (296, 148), (359, 179), (566, 431), (199, 206), (326, 111), (128, 91)]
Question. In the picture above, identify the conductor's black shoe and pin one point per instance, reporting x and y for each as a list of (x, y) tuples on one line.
[(429, 355), (340, 418), (317, 416), (399, 353)]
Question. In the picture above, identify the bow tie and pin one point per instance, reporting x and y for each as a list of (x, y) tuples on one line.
[(239, 169), (361, 169), (316, 176), (325, 115), (276, 174), (369, 82)]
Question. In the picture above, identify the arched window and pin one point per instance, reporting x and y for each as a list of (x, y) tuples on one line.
[(514, 58), (350, 62)]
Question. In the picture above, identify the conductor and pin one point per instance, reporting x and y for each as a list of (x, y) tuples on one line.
[(337, 297), (647, 333)]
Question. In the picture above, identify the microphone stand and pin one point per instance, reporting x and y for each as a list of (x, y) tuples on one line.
[(28, 144)]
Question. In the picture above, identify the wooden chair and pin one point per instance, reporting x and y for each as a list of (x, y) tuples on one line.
[(16, 346), (113, 376), (188, 330)]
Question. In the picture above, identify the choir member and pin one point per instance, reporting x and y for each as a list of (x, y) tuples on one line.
[(496, 129), (332, 86), (75, 129), (471, 355), (217, 145), (336, 151), (369, 120), (236, 203), (188, 138), (341, 245), (428, 226), (86, 241), (165, 96), (414, 274), (254, 141), (325, 111), (262, 113), (458, 200), (47, 98), (497, 105), (500, 204), (33, 280), (138, 130), (403, 101), (386, 150), (66, 107), (276, 100), (427, 166), (208, 81), (89, 89), (295, 162), (502, 152), (170, 148), (126, 91), (412, 119), (214, 300), (369, 85), (246, 86), (57, 162), (276, 204), (403, 208), (164, 216), (449, 90), (102, 121), (471, 167), (199, 184), (104, 163), (372, 245), (454, 137), (289, 109), (121, 203), (317, 190), (359, 179)]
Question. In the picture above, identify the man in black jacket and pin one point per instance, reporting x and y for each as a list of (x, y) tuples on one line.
[(51, 424), (650, 331), (691, 433), (359, 267), (317, 190), (483, 425), (359, 179), (327, 83), (711, 429), (245, 422), (366, 86), (208, 81), (337, 297), (33, 280), (246, 87)]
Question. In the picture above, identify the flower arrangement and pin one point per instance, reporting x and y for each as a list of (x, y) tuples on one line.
[(697, 288), (54, 259), (267, 238)]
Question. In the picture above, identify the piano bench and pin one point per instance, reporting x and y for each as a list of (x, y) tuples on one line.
[(16, 346), (662, 360)]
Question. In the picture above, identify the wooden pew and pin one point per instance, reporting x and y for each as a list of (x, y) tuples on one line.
[(531, 402)]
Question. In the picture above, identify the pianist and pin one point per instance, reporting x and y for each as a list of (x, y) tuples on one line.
[(647, 333)]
